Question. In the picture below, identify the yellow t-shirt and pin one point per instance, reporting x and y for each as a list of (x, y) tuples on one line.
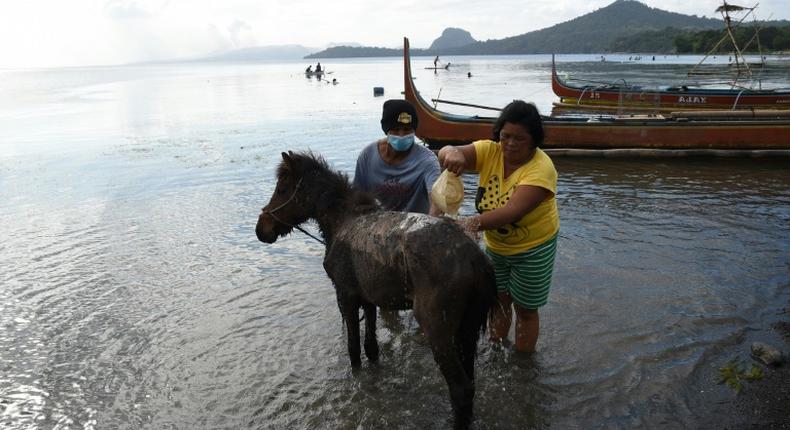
[(494, 191)]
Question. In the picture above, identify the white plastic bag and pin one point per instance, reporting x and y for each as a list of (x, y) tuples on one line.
[(448, 193)]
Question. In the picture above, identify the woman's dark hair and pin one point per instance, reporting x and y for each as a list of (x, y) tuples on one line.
[(524, 114)]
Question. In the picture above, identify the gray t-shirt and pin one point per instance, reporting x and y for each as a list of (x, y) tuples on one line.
[(404, 187)]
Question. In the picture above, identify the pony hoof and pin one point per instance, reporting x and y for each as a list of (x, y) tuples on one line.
[(463, 416), (461, 424), (372, 354)]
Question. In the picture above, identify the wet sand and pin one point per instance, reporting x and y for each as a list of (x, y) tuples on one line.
[(765, 404)]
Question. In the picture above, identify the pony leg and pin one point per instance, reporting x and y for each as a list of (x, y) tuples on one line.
[(371, 343), (350, 312), (352, 330), (445, 352)]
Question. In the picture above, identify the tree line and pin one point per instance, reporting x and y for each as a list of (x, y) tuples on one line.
[(770, 39), (674, 40)]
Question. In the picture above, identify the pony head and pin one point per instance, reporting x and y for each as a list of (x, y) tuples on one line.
[(288, 205)]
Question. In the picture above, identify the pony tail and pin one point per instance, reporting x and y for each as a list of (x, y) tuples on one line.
[(475, 319)]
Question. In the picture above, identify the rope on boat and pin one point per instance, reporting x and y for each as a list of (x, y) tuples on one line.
[(734, 105)]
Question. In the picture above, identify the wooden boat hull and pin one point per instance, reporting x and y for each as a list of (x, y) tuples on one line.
[(593, 96), (769, 131)]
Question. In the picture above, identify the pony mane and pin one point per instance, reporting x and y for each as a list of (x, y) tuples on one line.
[(307, 164), (303, 163)]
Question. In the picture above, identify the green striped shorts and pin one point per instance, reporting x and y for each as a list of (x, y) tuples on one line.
[(526, 276)]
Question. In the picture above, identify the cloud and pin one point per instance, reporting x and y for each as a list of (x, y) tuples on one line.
[(241, 34), (80, 32), (134, 9)]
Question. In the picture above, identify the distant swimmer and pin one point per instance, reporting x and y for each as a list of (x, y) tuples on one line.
[(468, 74), (334, 81)]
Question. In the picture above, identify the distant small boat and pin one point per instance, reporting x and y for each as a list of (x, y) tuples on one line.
[(314, 73), (445, 67)]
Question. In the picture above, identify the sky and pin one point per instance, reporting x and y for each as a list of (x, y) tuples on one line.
[(58, 33)]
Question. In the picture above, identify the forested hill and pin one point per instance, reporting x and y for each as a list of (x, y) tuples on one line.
[(622, 26), (362, 51), (591, 33)]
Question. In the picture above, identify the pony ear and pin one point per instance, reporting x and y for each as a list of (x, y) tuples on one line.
[(288, 160), (286, 167)]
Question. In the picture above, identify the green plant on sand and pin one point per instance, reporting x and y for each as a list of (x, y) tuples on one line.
[(734, 372)]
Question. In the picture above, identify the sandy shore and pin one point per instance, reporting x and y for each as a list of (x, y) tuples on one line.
[(765, 404)]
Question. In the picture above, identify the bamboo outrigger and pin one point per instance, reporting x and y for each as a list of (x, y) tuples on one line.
[(761, 133)]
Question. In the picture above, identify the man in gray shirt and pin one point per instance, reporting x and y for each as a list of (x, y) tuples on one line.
[(399, 173)]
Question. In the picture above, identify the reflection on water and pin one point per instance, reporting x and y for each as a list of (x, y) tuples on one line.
[(133, 292)]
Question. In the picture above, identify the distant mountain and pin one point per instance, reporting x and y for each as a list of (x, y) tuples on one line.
[(452, 38), (623, 26), (351, 44), (363, 51), (261, 53), (590, 33), (654, 41)]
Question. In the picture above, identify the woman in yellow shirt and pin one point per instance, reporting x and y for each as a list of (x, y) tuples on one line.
[(518, 214)]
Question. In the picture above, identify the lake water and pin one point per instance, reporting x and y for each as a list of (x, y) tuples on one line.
[(134, 294)]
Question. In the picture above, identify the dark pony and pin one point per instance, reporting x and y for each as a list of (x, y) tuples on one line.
[(391, 260)]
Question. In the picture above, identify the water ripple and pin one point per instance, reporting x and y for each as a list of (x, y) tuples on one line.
[(134, 294)]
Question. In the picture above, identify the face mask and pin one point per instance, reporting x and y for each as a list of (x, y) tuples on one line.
[(400, 143)]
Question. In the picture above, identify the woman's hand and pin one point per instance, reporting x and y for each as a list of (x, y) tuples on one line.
[(452, 159)]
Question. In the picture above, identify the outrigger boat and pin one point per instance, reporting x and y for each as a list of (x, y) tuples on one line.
[(740, 95), (687, 133), (617, 96)]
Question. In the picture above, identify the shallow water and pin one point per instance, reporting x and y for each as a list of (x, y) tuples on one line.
[(134, 294)]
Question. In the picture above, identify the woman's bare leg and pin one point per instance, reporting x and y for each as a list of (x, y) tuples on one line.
[(501, 317), (527, 329)]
